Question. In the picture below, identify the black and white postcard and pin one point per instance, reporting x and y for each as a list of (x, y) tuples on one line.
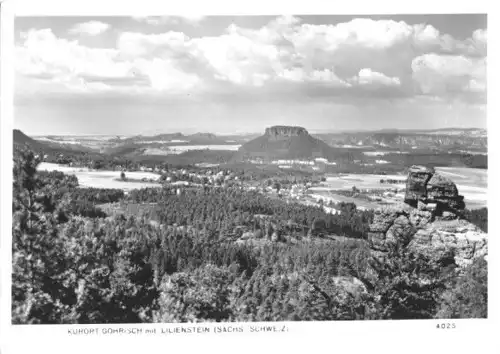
[(230, 177)]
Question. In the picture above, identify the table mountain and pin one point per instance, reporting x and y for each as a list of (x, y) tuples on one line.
[(284, 142)]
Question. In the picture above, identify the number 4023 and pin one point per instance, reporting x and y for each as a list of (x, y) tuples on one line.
[(446, 325)]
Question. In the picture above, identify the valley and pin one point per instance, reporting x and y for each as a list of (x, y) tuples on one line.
[(284, 202), (89, 178), (354, 174), (248, 168)]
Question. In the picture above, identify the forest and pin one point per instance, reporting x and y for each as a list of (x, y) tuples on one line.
[(183, 259)]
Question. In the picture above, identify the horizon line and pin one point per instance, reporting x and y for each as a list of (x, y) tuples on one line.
[(186, 132)]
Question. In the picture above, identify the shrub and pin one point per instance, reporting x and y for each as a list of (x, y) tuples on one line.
[(467, 295)]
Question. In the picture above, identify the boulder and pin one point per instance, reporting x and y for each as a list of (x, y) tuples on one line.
[(456, 238), (444, 192), (418, 176), (440, 186), (349, 285), (428, 223), (428, 190)]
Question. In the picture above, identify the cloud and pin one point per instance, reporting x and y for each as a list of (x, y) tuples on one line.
[(191, 19), (480, 35), (91, 28), (326, 76), (449, 74), (369, 77), (133, 44), (72, 66), (382, 58)]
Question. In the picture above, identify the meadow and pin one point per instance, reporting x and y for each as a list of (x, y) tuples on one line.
[(360, 181), (179, 149), (472, 183), (88, 178)]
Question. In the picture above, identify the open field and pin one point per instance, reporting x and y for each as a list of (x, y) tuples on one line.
[(104, 179), (182, 148), (360, 181), (472, 183), (179, 149), (382, 153)]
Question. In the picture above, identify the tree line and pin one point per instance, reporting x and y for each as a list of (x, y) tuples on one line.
[(70, 268)]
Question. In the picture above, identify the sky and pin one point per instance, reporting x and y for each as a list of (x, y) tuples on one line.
[(237, 74)]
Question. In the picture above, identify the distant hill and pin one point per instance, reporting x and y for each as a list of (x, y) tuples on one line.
[(20, 140), (176, 139), (206, 138), (284, 142), (441, 139)]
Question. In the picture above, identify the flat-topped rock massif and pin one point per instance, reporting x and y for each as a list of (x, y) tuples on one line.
[(428, 222), (279, 132), (284, 142)]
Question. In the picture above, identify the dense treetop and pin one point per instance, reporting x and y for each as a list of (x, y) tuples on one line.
[(80, 257)]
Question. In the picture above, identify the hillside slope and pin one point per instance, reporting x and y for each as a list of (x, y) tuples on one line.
[(20, 139), (408, 139), (284, 142)]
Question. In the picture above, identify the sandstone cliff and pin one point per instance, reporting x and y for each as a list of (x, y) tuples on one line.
[(426, 186), (281, 132), (284, 142), (429, 222), (443, 240), (441, 139)]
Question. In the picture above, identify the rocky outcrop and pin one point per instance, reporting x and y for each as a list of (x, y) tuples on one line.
[(441, 240), (279, 132), (428, 222), (385, 230), (444, 193), (416, 184), (284, 142), (431, 191), (348, 286), (460, 238)]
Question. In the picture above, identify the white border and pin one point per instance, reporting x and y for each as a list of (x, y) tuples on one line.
[(255, 7), (374, 336)]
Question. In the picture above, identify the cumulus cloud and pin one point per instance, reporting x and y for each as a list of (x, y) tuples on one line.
[(442, 74), (82, 68), (381, 55), (91, 28), (133, 44), (480, 35), (191, 19), (368, 77), (326, 76)]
